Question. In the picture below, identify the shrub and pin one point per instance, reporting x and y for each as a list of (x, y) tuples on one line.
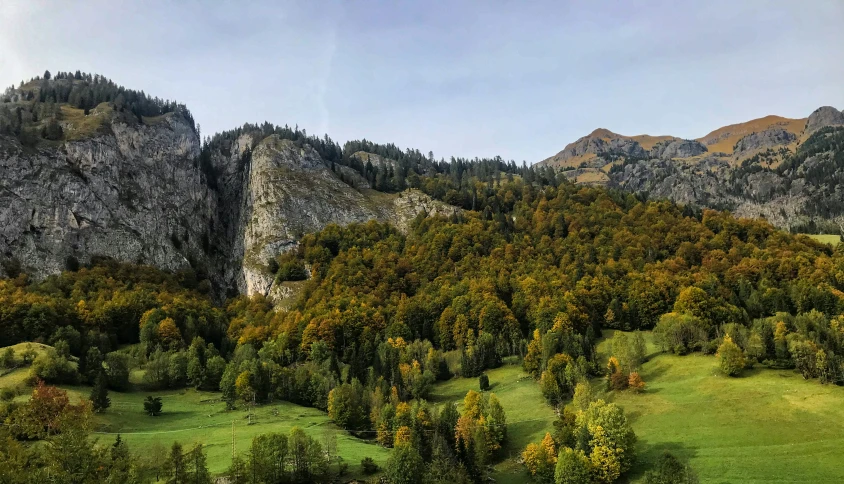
[(483, 382), (369, 466), (731, 357), (635, 383)]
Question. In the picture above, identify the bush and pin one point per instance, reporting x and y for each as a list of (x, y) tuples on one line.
[(369, 466), (7, 358), (53, 368), (7, 394), (483, 382)]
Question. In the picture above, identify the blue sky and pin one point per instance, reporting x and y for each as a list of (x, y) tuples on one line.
[(510, 78)]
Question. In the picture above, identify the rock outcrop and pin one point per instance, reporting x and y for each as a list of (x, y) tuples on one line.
[(135, 194), (680, 148), (823, 117), (770, 138)]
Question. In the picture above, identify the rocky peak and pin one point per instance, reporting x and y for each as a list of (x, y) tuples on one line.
[(823, 117)]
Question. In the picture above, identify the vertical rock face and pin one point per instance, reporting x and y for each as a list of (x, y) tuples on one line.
[(282, 192), (135, 194)]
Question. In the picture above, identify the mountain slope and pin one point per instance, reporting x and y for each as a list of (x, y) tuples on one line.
[(782, 169)]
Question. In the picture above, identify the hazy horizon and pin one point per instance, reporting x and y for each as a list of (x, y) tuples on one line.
[(458, 78)]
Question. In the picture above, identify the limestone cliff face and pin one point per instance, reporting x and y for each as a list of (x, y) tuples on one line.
[(272, 191), (134, 194)]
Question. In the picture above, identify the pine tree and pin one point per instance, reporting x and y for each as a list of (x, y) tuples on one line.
[(99, 394)]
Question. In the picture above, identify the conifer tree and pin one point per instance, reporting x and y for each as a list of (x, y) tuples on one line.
[(99, 394)]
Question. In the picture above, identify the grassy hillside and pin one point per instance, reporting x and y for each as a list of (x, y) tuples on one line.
[(753, 429), (528, 416), (191, 416)]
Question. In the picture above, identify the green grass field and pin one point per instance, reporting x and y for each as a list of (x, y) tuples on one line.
[(833, 239), (766, 426), (191, 416)]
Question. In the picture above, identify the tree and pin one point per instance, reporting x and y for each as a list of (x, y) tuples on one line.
[(120, 465), (573, 467), (7, 358), (47, 75), (176, 471), (669, 470), (99, 394), (731, 358), (198, 465), (635, 383), (483, 382), (541, 459), (405, 465), (368, 466), (496, 422), (152, 406), (117, 370)]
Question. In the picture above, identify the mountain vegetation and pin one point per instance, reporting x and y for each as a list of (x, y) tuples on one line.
[(527, 267)]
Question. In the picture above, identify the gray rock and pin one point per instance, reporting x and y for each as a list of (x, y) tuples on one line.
[(823, 117), (770, 138), (681, 148)]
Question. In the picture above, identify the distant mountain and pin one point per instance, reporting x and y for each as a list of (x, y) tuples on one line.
[(785, 170)]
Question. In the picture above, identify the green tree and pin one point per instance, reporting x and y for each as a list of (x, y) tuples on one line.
[(669, 470), (198, 465), (175, 468), (405, 465), (483, 382), (117, 368), (120, 465), (573, 467), (152, 406), (99, 394)]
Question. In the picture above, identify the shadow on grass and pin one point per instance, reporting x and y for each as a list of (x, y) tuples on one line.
[(648, 453), (520, 434), (655, 371)]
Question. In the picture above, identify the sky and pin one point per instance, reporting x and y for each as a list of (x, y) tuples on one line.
[(459, 78)]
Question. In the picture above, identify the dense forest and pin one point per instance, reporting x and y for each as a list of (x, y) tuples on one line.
[(537, 275)]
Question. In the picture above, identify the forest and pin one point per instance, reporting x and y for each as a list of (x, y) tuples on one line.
[(536, 275)]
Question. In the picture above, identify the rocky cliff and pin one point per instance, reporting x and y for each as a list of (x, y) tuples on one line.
[(140, 189), (134, 194)]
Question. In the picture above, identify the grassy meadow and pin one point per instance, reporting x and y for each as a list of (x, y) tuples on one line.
[(758, 428), (754, 429), (833, 239)]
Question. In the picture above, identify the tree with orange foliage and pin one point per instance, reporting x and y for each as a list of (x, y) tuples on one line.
[(169, 334), (635, 382), (541, 459)]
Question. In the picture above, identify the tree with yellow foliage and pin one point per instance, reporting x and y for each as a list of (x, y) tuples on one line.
[(731, 357), (635, 382), (541, 459), (168, 333)]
